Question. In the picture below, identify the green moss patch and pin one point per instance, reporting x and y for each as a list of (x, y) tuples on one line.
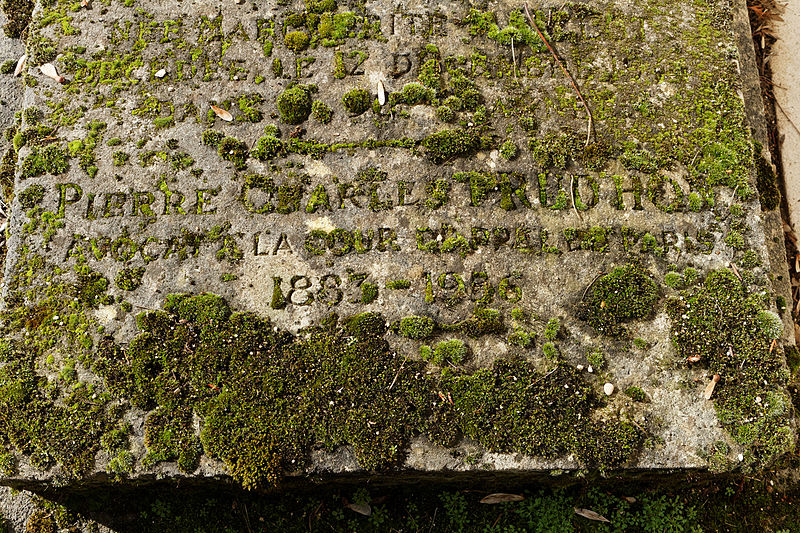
[(129, 279), (235, 151), (18, 15), (265, 398), (726, 329), (357, 101), (294, 104), (626, 293), (416, 327), (538, 415), (48, 160), (267, 148), (449, 144)]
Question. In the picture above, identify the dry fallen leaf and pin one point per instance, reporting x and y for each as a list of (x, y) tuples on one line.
[(360, 508), (693, 358), (629, 499), (591, 515), (20, 65), (84, 3), (221, 113), (710, 387), (49, 70), (381, 93), (502, 497)]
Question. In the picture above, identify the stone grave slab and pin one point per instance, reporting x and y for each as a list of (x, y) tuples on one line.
[(254, 240)]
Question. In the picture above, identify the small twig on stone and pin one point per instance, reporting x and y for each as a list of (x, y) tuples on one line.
[(590, 285), (398, 373), (572, 196), (736, 272), (534, 382), (566, 73)]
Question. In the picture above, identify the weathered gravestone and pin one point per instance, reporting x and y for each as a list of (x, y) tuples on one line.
[(253, 240)]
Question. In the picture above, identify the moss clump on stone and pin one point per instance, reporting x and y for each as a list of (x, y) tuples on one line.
[(626, 293), (735, 240), (450, 351), (294, 104), (321, 112), (550, 351), (212, 137), (369, 293), (722, 326), (508, 150), (41, 521), (636, 394), (454, 102), (320, 6), (357, 101), (674, 280), (31, 196), (296, 41), (267, 148), (235, 151), (18, 16), (695, 202), (247, 105), (119, 158), (769, 324), (271, 130), (415, 93), (793, 359), (129, 279), (430, 74), (596, 359), (445, 113), (449, 144), (169, 436), (538, 414), (416, 327), (48, 160), (465, 89), (552, 329), (750, 260), (482, 322), (365, 325), (520, 337), (333, 28)]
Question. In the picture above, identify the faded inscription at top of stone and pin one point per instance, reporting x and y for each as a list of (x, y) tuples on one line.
[(472, 182), (431, 163)]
